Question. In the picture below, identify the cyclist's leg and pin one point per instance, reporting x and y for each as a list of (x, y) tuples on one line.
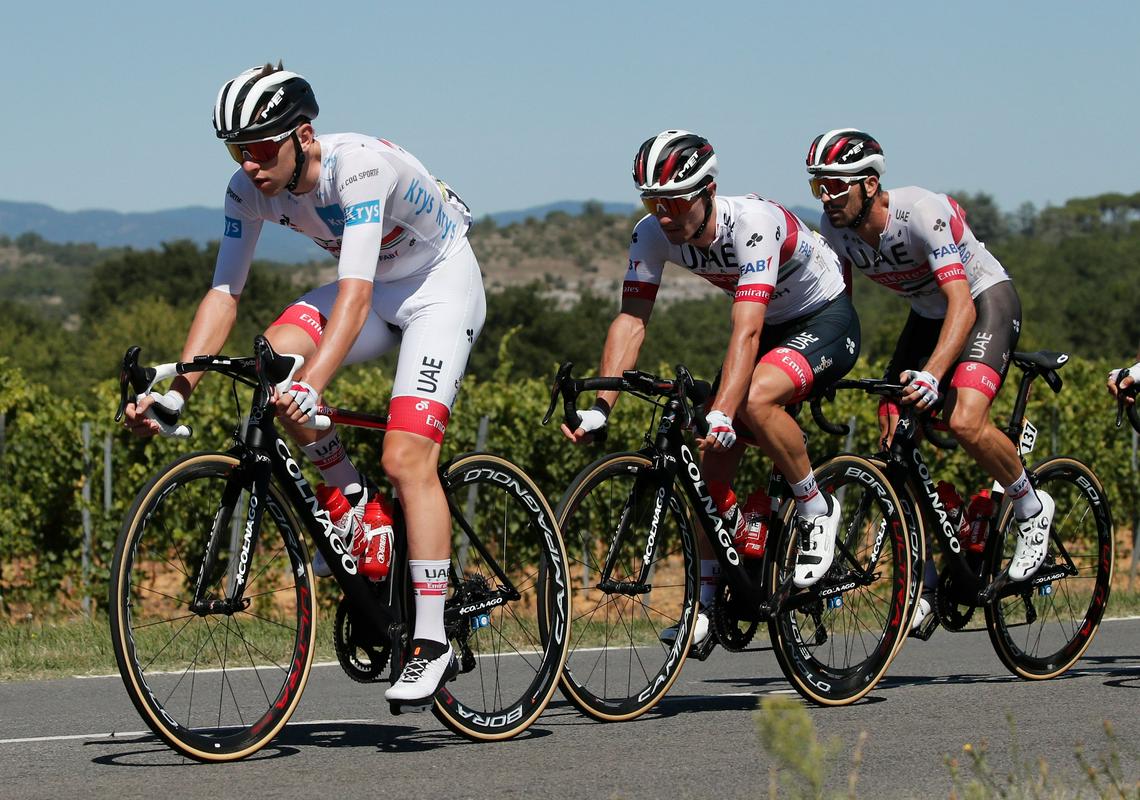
[(818, 349), (976, 381), (298, 330), (440, 316)]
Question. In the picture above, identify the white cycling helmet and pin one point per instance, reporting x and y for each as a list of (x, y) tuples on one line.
[(263, 102), (674, 163)]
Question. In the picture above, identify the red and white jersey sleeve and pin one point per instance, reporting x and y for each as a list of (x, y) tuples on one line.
[(925, 245), (762, 253), (648, 249)]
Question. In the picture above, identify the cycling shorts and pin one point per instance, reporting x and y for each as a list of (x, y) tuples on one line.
[(433, 319), (814, 350), (984, 361)]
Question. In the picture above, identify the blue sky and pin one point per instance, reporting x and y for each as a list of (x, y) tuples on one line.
[(518, 103)]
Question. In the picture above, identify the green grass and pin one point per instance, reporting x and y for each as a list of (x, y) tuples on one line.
[(37, 650)]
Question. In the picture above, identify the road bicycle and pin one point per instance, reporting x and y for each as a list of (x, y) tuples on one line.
[(631, 521), (212, 597), (1039, 626)]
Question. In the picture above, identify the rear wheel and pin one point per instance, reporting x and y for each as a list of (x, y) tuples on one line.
[(216, 685), (1041, 630), (835, 639), (509, 603), (618, 667)]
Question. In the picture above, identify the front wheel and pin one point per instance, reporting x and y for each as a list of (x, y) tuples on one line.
[(635, 577), (835, 639), (214, 681), (509, 604), (1041, 630)]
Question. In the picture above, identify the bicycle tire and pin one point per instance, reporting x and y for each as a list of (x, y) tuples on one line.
[(1073, 605), (213, 686), (871, 621), (617, 668), (512, 653)]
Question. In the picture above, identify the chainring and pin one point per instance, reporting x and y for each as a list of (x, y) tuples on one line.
[(953, 614), (733, 633), (363, 657)]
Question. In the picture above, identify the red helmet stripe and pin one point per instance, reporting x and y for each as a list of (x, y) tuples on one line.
[(836, 148), (668, 167)]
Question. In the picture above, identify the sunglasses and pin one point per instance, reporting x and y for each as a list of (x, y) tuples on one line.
[(260, 151), (833, 186), (671, 206)]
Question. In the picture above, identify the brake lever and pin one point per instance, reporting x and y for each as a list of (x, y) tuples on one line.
[(133, 376), (562, 375)]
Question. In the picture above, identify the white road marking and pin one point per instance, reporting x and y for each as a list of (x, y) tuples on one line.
[(133, 734)]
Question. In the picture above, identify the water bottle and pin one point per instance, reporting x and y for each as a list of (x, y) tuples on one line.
[(332, 500), (373, 546), (753, 536), (951, 501), (978, 516)]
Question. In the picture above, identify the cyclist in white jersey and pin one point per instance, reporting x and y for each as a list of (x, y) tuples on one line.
[(793, 328), (406, 278), (965, 313)]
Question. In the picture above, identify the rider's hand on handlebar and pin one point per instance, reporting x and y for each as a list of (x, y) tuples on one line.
[(1128, 380), (138, 417), (921, 388), (592, 420), (721, 436), (298, 402)]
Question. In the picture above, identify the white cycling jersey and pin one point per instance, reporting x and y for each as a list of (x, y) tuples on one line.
[(926, 245), (762, 253), (375, 208)]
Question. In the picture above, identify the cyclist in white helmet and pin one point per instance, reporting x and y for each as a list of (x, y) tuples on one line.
[(407, 279), (965, 314), (794, 330)]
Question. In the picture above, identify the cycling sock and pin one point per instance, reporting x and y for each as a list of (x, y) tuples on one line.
[(1026, 503), (810, 501), (429, 581), (710, 574), (331, 460)]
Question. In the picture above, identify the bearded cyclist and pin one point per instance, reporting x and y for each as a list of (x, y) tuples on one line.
[(793, 330), (964, 322), (406, 278)]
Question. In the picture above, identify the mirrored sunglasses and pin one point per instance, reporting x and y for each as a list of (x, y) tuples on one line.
[(833, 186), (260, 151), (672, 207)]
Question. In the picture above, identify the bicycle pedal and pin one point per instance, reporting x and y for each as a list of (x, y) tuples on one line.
[(702, 651), (411, 706), (926, 628)]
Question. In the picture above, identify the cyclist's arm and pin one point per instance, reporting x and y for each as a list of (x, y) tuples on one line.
[(351, 309), (213, 321), (936, 223), (740, 360), (623, 342), (960, 318)]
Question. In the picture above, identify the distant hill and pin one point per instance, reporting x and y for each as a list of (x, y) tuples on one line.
[(144, 230)]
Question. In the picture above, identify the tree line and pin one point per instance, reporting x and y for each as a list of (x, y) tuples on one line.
[(73, 309)]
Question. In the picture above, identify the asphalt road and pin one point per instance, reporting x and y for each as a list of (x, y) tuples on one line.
[(80, 737)]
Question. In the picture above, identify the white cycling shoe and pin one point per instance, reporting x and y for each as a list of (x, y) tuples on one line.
[(422, 676), (817, 545), (1032, 540), (921, 612), (700, 631)]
